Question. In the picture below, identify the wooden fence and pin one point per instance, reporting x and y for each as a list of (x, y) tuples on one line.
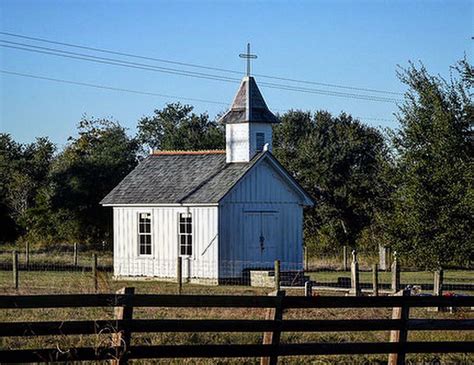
[(124, 326)]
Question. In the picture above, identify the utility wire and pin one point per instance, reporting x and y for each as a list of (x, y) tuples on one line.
[(139, 92), (196, 65), (118, 62), (105, 87)]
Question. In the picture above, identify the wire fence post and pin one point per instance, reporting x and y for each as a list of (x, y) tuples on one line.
[(388, 255), (15, 269), (75, 254), (94, 272), (27, 255), (355, 284), (375, 279), (179, 274), (395, 285), (308, 289), (344, 258), (438, 286), (305, 254), (277, 274), (400, 336)]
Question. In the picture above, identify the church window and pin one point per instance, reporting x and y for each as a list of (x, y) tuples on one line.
[(144, 233), (185, 234), (260, 141)]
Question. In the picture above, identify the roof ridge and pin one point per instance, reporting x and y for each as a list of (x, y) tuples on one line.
[(183, 152)]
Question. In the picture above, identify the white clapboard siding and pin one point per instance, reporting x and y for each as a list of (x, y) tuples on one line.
[(261, 190), (162, 262)]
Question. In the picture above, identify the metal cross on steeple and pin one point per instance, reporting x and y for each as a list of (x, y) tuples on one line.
[(248, 56)]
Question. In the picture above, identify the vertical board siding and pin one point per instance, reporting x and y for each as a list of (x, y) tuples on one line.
[(262, 189), (162, 262)]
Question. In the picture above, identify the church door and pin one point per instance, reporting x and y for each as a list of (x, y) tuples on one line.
[(262, 236)]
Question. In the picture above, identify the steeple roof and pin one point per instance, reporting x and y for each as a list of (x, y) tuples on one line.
[(248, 105)]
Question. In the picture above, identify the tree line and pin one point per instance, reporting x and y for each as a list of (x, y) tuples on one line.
[(411, 189)]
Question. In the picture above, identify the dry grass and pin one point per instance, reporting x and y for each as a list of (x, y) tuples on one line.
[(64, 282)]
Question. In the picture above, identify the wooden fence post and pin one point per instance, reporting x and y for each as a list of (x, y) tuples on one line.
[(75, 255), (438, 286), (179, 274), (305, 252), (277, 274), (375, 280), (395, 274), (355, 283), (344, 258), (388, 254), (27, 255), (273, 338), (121, 339), (308, 289), (400, 336), (15, 269), (94, 272)]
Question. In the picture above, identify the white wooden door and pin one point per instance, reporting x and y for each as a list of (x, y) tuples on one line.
[(262, 236)]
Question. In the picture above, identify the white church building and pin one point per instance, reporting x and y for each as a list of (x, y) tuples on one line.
[(223, 212)]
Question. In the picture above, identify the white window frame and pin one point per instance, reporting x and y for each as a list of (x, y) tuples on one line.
[(143, 234), (259, 148), (187, 236)]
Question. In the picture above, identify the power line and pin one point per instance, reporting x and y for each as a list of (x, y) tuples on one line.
[(105, 87), (139, 92), (196, 65), (116, 62)]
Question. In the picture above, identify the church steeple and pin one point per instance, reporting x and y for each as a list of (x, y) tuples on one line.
[(248, 122)]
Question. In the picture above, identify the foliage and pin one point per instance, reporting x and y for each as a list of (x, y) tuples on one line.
[(89, 167), (177, 127), (338, 161), (23, 178), (431, 222)]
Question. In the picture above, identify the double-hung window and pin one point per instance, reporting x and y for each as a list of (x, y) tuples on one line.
[(185, 235), (260, 141), (144, 233)]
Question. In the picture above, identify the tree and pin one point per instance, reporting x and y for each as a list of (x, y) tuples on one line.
[(177, 127), (338, 161), (24, 173), (433, 203), (90, 166)]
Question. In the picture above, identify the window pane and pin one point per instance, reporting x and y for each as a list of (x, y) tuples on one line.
[(189, 228), (188, 250), (260, 141), (183, 250), (183, 240), (182, 228), (148, 250)]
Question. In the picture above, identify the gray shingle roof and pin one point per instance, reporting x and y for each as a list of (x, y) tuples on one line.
[(179, 178), (248, 105)]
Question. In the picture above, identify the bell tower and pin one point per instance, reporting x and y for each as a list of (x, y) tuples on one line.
[(248, 122)]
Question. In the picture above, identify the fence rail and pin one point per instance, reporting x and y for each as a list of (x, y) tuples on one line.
[(124, 326)]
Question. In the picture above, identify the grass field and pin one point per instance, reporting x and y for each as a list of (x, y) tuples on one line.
[(67, 282)]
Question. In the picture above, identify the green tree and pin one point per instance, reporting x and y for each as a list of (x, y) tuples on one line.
[(89, 167), (338, 160), (24, 174), (177, 127), (433, 204)]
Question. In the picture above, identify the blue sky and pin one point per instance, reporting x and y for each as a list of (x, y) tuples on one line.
[(353, 43)]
